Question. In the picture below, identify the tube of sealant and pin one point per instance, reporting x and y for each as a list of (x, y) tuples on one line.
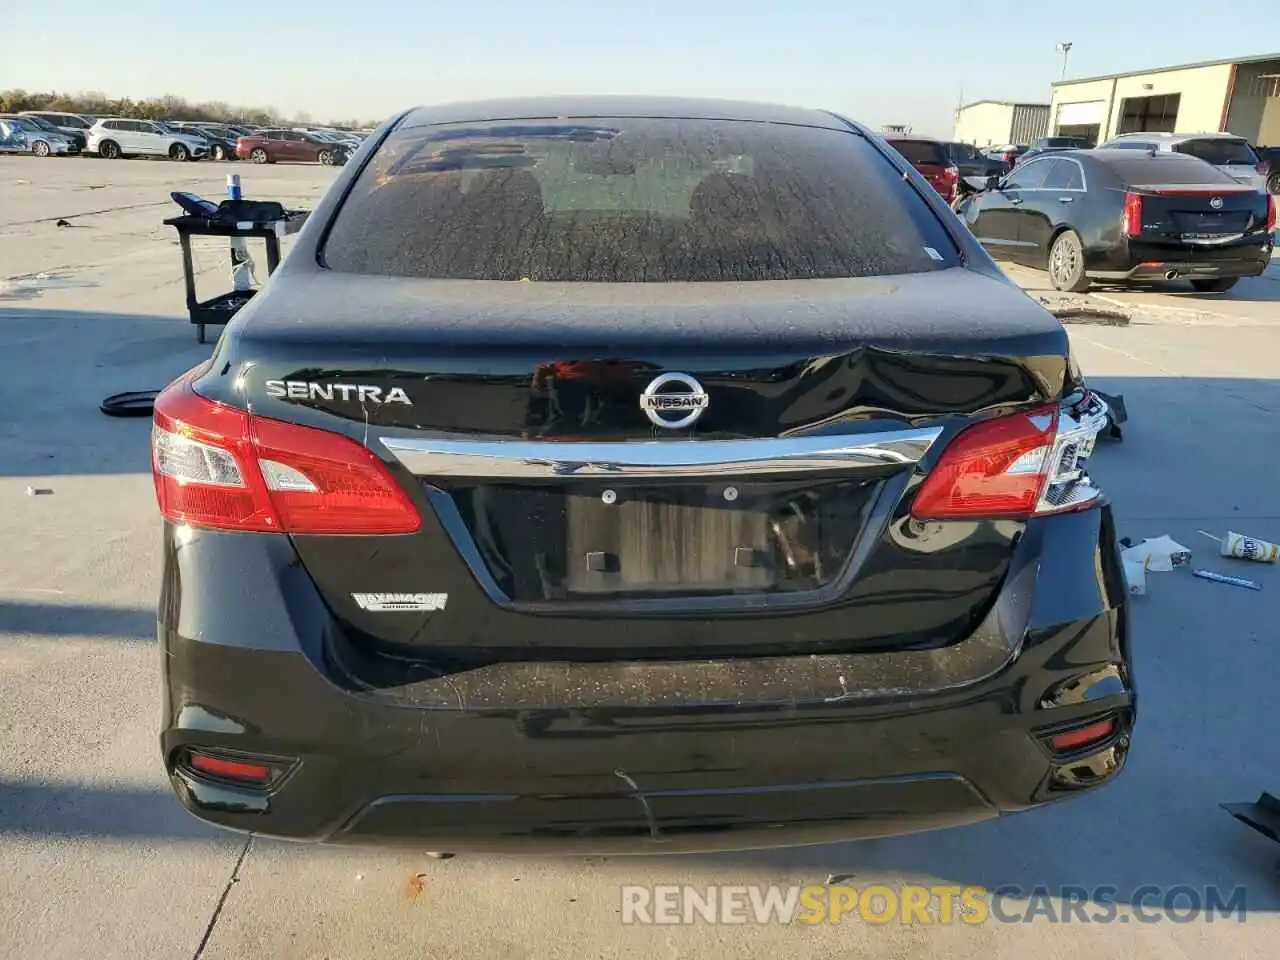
[(1219, 578)]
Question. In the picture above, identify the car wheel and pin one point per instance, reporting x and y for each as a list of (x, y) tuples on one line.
[(179, 152), (1066, 263), (109, 150), (325, 158), (1216, 285), (258, 155), (1273, 183), (219, 153), (40, 148)]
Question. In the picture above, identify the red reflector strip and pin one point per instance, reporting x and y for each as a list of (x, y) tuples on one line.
[(230, 769), (1082, 736)]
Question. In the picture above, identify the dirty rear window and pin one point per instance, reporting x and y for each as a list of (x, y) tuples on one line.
[(1220, 152), (622, 200), (1167, 169)]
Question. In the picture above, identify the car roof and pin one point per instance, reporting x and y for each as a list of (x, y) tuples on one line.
[(568, 107), (912, 138), (1177, 137), (1110, 155)]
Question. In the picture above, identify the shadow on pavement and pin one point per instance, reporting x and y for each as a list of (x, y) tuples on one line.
[(53, 620), (57, 366), (71, 811)]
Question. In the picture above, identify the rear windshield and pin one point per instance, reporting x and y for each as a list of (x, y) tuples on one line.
[(920, 151), (1167, 169), (1220, 152), (623, 200)]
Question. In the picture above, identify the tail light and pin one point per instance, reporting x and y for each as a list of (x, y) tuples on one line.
[(1263, 167), (953, 172), (1132, 221), (1271, 213), (218, 467), (1015, 466)]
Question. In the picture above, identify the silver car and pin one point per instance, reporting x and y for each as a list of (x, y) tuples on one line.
[(1231, 154), (19, 135)]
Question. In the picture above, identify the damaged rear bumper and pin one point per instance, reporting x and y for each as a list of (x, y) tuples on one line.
[(641, 756)]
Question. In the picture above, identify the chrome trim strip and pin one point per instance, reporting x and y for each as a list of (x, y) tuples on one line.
[(528, 460)]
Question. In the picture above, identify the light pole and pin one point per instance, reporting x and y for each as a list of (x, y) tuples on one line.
[(1064, 49)]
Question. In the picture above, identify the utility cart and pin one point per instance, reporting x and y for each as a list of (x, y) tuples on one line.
[(222, 308)]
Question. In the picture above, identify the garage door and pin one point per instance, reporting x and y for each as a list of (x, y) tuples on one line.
[(1082, 114)]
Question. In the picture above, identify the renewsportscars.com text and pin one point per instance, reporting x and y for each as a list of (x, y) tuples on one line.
[(936, 904)]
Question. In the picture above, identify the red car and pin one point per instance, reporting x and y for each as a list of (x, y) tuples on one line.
[(930, 158), (271, 146)]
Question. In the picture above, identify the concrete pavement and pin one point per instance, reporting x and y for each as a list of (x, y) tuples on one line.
[(100, 860)]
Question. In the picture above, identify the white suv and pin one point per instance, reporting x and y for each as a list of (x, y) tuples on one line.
[(1231, 154), (117, 137)]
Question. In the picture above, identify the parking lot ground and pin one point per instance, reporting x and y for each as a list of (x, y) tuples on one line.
[(100, 861)]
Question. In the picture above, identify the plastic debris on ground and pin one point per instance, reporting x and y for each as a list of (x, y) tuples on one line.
[(1222, 578), (1159, 555)]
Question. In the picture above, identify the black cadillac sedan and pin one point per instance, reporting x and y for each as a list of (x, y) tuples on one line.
[(1122, 215), (635, 474)]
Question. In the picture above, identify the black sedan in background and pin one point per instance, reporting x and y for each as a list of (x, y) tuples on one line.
[(1117, 215), (972, 162)]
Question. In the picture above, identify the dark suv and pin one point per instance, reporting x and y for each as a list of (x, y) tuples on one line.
[(644, 474)]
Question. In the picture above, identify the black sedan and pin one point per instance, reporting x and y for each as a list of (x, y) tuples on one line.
[(1118, 215), (755, 517), (972, 162)]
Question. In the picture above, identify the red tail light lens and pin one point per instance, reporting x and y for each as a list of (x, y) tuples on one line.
[(1070, 740), (995, 469), (1271, 213), (255, 773), (221, 468), (1132, 222)]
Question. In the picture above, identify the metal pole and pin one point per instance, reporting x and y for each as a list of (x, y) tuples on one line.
[(1065, 50)]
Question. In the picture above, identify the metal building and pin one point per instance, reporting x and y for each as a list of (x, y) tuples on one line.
[(995, 123), (1240, 96)]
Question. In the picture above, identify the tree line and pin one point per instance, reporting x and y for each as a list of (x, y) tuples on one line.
[(156, 108)]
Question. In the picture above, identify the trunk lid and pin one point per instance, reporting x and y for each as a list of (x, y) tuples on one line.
[(563, 516), (1200, 216)]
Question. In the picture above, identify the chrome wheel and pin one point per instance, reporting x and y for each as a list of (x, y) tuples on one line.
[(325, 158), (1066, 263), (179, 152), (258, 155), (40, 149)]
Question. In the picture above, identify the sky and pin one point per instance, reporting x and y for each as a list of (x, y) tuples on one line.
[(878, 62)]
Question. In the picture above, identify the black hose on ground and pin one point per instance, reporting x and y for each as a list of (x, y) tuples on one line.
[(136, 403)]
